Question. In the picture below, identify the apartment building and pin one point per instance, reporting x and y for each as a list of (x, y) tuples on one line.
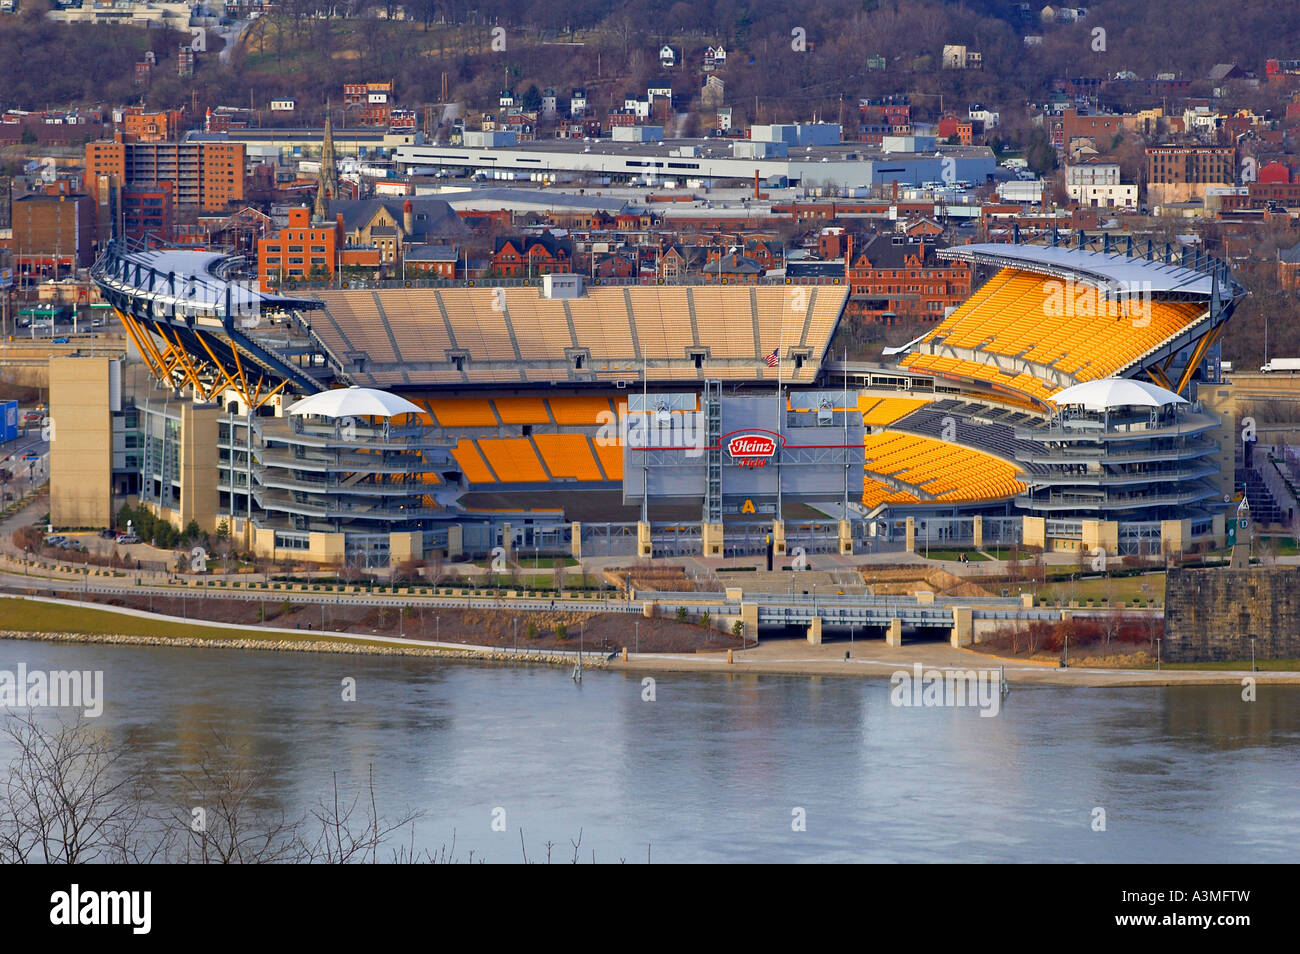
[(208, 175)]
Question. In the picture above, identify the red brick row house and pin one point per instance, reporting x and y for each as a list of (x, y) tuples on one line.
[(898, 276), (520, 257)]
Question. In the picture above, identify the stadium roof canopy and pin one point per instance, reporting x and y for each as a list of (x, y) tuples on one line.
[(188, 280), (354, 402), (1116, 392), (1121, 273)]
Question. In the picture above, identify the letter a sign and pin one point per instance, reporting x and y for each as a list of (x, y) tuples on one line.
[(748, 507)]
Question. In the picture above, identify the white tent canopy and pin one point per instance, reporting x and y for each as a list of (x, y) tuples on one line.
[(354, 402), (1116, 392)]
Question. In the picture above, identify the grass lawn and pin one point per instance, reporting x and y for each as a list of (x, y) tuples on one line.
[(1125, 589), (541, 563), (1286, 546), (1264, 665), (31, 616), (973, 555)]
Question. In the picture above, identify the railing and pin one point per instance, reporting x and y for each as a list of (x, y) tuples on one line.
[(492, 282)]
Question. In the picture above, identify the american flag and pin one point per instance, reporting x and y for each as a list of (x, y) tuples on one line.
[(770, 357)]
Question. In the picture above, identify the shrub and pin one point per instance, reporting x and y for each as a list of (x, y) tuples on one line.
[(681, 614), (561, 631)]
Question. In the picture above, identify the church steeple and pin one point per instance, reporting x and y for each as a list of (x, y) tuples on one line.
[(327, 181)]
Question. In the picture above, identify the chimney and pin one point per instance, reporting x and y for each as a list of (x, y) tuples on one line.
[(895, 192), (408, 217)]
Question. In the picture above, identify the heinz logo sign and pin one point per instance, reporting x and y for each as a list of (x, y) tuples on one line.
[(751, 445)]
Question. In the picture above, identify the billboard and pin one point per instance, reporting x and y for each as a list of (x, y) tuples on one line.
[(810, 450)]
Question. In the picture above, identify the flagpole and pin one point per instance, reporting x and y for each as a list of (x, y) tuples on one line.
[(780, 415), (846, 432)]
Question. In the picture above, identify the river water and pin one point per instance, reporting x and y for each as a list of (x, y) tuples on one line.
[(723, 769)]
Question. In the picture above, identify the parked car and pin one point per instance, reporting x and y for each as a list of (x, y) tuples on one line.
[(127, 538), (108, 534)]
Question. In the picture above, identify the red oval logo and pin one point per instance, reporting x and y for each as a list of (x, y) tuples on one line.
[(751, 445)]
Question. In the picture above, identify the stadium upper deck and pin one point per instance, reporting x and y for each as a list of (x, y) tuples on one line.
[(1054, 316), (416, 337), (197, 328)]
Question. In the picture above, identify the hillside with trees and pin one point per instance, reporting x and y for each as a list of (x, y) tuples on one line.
[(609, 50)]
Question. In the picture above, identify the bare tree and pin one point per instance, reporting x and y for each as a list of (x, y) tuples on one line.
[(228, 821), (72, 796), (340, 834)]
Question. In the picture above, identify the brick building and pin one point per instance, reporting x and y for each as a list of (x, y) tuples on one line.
[(53, 232), (302, 249), (143, 126), (899, 276), (1182, 173), (522, 257), (206, 175), (146, 215)]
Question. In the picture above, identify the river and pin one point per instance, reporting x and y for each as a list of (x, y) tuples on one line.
[(723, 769)]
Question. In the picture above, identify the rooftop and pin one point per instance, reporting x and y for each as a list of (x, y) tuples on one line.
[(1114, 269)]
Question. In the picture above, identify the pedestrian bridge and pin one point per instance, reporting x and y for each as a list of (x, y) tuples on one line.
[(959, 618)]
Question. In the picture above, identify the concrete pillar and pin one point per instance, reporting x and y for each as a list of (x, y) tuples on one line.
[(815, 631), (911, 535), (198, 472), (455, 540), (507, 540), (711, 539), (1033, 531), (81, 446), (846, 538), (749, 616), (575, 542), (1026, 600), (924, 597), (1101, 535), (778, 538), (963, 630), (979, 532), (894, 637), (1174, 536), (643, 545), (405, 545)]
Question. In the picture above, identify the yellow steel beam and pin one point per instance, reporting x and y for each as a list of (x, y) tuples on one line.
[(1159, 377), (272, 393), (190, 371), (239, 367), (220, 369), (1198, 353), (129, 324)]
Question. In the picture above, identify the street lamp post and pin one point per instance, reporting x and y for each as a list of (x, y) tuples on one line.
[(1252, 653)]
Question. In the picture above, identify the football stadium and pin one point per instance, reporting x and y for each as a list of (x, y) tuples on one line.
[(1056, 407)]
